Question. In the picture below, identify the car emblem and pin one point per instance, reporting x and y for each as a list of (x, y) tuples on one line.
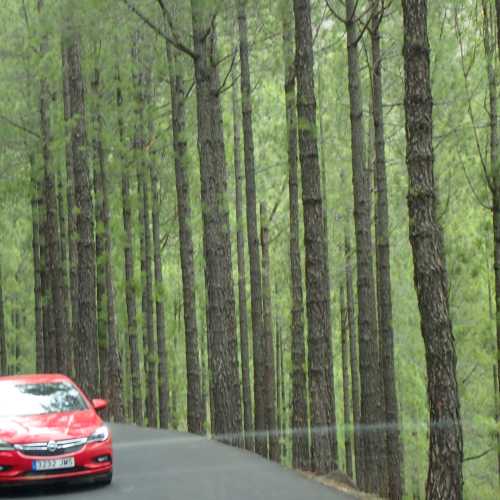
[(52, 446)]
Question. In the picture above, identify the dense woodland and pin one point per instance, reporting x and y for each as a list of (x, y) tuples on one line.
[(276, 223)]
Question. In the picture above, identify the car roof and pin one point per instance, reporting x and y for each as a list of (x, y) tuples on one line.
[(41, 378)]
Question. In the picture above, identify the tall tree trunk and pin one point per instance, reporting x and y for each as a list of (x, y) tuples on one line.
[(253, 239), (373, 471), (86, 359), (63, 251), (282, 386), (142, 258), (3, 333), (495, 167), (329, 356), (278, 382), (195, 401), (53, 256), (344, 332), (70, 202), (159, 292), (128, 249), (444, 479), (225, 397), (318, 300), (37, 286), (353, 357), (163, 380), (384, 293), (149, 347), (111, 372), (48, 307), (494, 180), (151, 354), (242, 285), (139, 75), (141, 141), (496, 401), (102, 331), (270, 372), (50, 361), (114, 368), (300, 421)]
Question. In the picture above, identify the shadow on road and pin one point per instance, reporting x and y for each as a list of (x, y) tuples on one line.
[(52, 490)]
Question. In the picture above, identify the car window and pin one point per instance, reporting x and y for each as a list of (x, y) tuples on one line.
[(21, 399)]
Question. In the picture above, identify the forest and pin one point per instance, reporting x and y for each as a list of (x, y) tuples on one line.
[(272, 222)]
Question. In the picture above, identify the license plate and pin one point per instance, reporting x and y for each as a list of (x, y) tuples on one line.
[(53, 464)]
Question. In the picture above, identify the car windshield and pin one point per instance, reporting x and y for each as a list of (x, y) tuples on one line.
[(22, 399)]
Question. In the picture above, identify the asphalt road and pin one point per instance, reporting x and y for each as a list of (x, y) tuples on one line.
[(165, 465)]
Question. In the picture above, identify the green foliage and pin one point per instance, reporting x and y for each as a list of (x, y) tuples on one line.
[(107, 34)]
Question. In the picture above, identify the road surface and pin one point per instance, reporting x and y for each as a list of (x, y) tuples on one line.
[(166, 465)]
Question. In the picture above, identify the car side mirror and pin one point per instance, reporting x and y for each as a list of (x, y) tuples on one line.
[(99, 404)]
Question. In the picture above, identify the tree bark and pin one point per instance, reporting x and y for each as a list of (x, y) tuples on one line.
[(143, 139), (318, 300), (48, 307), (102, 331), (242, 286), (3, 333), (373, 472), (128, 249), (344, 332), (141, 74), (86, 359), (270, 371), (444, 479), (278, 383), (50, 360), (329, 355), (70, 202), (163, 379), (35, 245), (150, 359), (384, 294), (111, 372), (53, 256), (159, 293), (253, 238), (195, 401), (495, 165), (496, 401), (300, 420), (114, 368), (225, 397), (282, 388), (353, 357), (63, 251)]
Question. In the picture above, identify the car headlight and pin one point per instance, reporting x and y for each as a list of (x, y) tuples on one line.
[(5, 446), (99, 435)]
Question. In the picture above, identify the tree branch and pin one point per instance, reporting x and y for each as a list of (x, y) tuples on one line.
[(480, 455), (178, 45), (278, 200), (470, 111), (20, 127), (222, 88)]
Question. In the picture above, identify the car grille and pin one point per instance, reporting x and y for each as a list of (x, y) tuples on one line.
[(52, 472), (52, 448)]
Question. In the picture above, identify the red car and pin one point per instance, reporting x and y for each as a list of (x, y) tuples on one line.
[(50, 432)]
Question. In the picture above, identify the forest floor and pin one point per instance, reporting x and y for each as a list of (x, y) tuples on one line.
[(340, 482)]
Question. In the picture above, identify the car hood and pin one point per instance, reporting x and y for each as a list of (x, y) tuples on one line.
[(48, 427)]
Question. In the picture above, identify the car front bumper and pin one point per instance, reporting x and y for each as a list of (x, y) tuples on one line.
[(93, 461)]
